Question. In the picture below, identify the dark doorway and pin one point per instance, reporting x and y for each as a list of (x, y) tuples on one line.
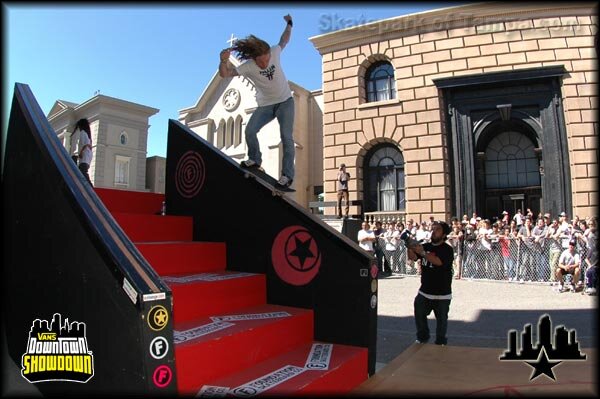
[(507, 142)]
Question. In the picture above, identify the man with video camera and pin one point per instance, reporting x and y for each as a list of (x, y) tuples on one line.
[(435, 292)]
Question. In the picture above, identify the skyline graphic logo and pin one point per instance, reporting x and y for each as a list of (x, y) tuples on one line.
[(549, 351), (57, 352)]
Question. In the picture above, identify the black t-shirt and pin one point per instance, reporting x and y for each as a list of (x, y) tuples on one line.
[(437, 280)]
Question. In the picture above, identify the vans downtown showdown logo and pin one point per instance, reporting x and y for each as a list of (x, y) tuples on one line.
[(57, 352)]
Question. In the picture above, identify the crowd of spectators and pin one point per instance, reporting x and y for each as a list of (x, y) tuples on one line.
[(520, 247)]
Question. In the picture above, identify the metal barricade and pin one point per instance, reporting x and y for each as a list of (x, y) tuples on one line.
[(504, 258)]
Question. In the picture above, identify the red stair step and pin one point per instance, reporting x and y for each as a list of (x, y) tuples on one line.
[(126, 201), (155, 227), (288, 374), (171, 258), (205, 294), (238, 346)]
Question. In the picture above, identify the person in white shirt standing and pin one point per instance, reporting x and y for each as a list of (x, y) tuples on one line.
[(84, 147), (366, 237), (273, 96)]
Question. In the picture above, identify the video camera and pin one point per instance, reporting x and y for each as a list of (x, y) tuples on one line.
[(408, 240)]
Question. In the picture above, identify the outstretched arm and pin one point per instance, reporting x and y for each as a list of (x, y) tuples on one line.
[(287, 32), (226, 70)]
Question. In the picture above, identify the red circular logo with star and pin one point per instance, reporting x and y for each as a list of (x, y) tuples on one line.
[(295, 255)]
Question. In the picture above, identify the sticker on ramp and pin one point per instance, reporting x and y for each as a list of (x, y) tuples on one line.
[(319, 357), (212, 391), (268, 381), (205, 329), (251, 316)]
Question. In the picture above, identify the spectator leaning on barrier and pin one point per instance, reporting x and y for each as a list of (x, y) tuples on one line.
[(564, 230), (509, 254), (378, 232), (366, 237), (391, 247), (455, 239), (540, 259), (496, 265), (554, 249), (527, 250), (591, 260)]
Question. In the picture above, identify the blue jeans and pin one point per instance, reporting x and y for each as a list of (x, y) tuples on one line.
[(284, 112)]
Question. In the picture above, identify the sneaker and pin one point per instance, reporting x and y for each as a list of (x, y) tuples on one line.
[(285, 181), (590, 291), (248, 163)]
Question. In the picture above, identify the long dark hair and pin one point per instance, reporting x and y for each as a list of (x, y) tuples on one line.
[(250, 47), (84, 125)]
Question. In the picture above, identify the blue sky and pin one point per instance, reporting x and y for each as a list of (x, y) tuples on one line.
[(159, 55)]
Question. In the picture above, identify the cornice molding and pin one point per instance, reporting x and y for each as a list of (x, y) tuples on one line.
[(446, 18)]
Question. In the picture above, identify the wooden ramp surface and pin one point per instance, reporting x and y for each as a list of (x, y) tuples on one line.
[(428, 369)]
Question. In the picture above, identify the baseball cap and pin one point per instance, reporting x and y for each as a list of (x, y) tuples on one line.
[(562, 214), (573, 242), (342, 165), (504, 213), (444, 225)]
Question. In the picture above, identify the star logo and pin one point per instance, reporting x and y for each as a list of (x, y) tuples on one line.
[(158, 318), (542, 366), (295, 255), (301, 252)]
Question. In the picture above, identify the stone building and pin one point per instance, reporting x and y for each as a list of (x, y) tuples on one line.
[(224, 108), (119, 139), (478, 108)]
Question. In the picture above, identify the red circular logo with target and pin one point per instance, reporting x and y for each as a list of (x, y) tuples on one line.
[(295, 255), (189, 174)]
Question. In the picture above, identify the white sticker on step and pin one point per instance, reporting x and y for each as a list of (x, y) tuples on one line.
[(205, 277), (212, 391), (268, 381), (250, 316), (319, 357), (205, 329)]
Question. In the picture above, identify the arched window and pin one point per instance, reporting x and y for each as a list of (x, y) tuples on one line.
[(384, 180), (221, 135), (510, 161), (237, 137), (229, 133), (123, 138), (210, 133), (380, 82)]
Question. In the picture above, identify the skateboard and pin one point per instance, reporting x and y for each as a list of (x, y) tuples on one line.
[(267, 180)]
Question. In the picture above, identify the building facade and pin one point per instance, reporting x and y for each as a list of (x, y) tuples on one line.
[(477, 108), (119, 139), (224, 108)]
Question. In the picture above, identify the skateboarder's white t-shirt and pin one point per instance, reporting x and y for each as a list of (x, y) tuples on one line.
[(271, 84)]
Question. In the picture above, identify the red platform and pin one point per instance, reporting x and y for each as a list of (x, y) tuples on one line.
[(226, 335)]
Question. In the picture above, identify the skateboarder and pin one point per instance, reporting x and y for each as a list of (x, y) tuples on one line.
[(273, 95)]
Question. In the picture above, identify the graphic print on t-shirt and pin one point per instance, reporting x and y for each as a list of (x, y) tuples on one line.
[(269, 72)]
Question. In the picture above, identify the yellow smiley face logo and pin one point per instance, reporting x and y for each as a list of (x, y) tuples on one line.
[(158, 317)]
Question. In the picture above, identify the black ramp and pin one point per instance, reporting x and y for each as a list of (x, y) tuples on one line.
[(307, 263), (63, 254)]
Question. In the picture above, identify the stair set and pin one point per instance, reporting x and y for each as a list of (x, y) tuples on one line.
[(228, 340), (232, 292)]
